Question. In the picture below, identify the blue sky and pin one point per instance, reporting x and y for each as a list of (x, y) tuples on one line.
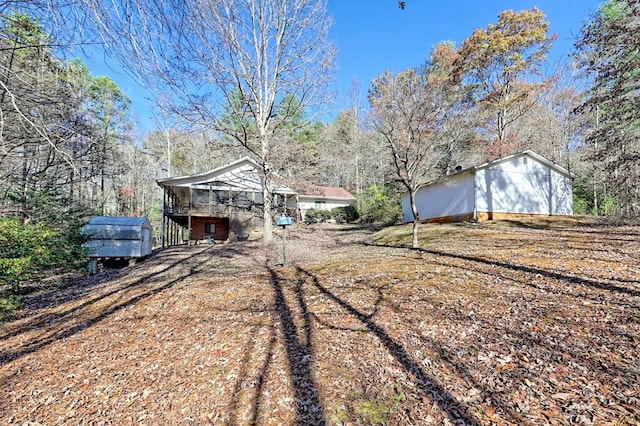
[(375, 35)]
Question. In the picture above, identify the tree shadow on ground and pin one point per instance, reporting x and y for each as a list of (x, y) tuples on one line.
[(309, 409), (71, 322), (246, 380), (456, 411), (538, 271), (527, 269)]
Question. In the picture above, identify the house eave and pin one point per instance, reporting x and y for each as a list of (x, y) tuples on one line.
[(207, 179), (474, 169), (322, 197), (186, 180), (531, 154)]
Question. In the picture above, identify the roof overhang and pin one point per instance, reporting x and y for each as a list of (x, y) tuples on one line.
[(323, 197), (492, 163), (242, 175), (531, 154)]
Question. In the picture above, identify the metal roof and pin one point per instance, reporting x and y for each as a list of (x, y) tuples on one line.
[(118, 220), (528, 153)]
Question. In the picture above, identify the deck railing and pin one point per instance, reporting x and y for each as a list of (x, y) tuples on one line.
[(206, 208)]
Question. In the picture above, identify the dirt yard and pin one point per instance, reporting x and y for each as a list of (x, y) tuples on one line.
[(493, 324)]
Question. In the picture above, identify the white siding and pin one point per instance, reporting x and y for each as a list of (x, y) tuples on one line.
[(448, 198), (522, 185), (306, 203), (326, 204)]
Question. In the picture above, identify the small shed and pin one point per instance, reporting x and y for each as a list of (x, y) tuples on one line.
[(118, 237)]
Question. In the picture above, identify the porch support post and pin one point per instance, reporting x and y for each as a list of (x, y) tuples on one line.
[(210, 200), (189, 216), (164, 212), (174, 235)]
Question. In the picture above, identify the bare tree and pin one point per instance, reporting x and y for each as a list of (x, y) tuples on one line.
[(418, 114), (551, 128), (240, 67)]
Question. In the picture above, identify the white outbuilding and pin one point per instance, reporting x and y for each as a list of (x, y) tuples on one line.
[(518, 185)]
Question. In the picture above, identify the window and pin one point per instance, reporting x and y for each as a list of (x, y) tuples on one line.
[(320, 205), (209, 228)]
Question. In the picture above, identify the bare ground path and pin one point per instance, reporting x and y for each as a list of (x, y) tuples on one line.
[(495, 324)]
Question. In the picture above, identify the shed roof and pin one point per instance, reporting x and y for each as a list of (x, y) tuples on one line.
[(531, 154), (489, 164), (118, 220)]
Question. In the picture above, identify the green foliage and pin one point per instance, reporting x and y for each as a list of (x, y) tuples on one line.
[(380, 204), (8, 302), (372, 412), (346, 214), (582, 197), (608, 52), (584, 203), (609, 205), (611, 10), (580, 204), (22, 249), (316, 216), (15, 270), (27, 248), (22, 30)]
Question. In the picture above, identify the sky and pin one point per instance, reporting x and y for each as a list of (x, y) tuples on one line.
[(373, 36)]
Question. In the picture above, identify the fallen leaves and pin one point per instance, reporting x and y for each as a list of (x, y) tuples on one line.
[(485, 324)]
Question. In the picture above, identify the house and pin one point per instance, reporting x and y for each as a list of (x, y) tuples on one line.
[(319, 198), (219, 205), (226, 203), (518, 185)]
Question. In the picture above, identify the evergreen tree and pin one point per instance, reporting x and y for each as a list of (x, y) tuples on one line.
[(609, 52)]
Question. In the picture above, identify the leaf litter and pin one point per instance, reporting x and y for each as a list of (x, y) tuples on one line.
[(534, 322)]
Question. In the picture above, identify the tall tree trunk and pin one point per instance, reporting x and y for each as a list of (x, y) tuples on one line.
[(267, 228), (267, 234), (416, 218)]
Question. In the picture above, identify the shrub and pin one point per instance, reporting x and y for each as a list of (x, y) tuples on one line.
[(8, 302), (21, 248), (28, 248), (346, 214), (380, 204), (47, 236), (316, 216), (609, 205)]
